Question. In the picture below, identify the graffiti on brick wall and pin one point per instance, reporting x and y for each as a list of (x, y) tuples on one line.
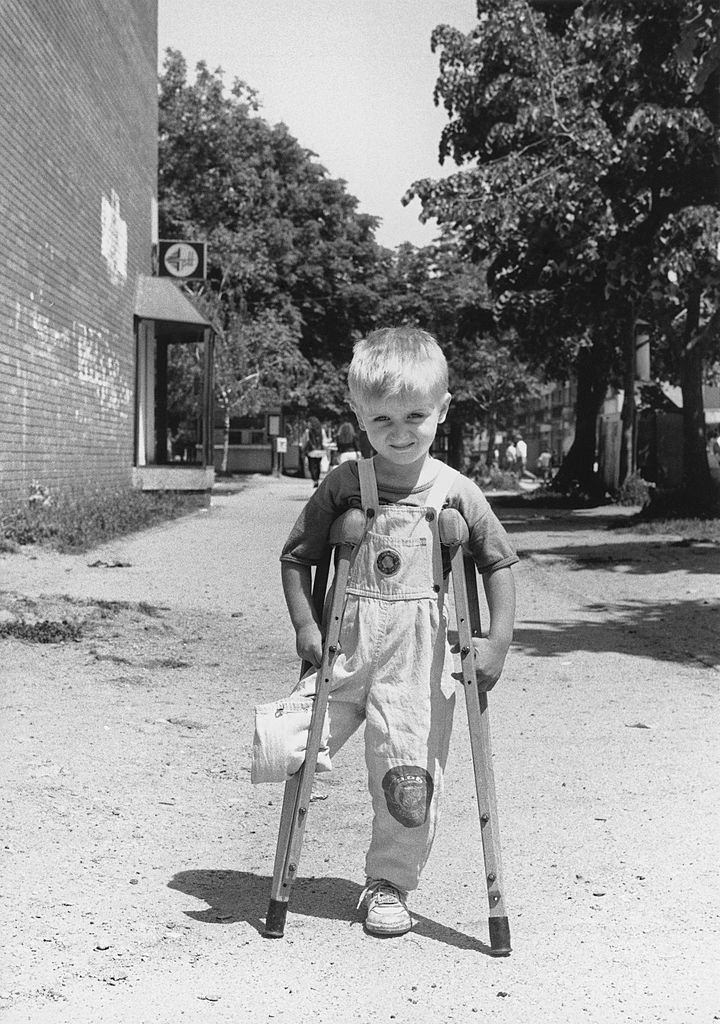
[(113, 237), (99, 366), (93, 353)]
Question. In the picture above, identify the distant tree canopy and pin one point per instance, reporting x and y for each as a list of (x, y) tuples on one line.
[(282, 234), (435, 289), (295, 273), (590, 189)]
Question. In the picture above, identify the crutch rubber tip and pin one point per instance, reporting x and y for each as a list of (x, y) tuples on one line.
[(499, 936), (275, 920)]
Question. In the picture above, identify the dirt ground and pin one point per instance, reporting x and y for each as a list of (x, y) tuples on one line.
[(136, 856)]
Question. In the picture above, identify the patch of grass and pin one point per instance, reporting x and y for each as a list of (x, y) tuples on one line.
[(78, 521), (543, 498), (46, 631), (701, 530)]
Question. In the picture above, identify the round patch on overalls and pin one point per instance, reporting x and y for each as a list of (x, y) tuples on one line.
[(388, 562), (408, 792)]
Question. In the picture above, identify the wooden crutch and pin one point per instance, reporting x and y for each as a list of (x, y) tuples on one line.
[(345, 535), (454, 534)]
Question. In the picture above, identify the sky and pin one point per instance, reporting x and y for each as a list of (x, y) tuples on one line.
[(353, 82)]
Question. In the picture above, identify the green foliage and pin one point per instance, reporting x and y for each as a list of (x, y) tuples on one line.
[(591, 186), (295, 273), (282, 235), (435, 289)]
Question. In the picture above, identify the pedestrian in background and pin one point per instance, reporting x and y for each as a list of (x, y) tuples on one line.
[(544, 465), (314, 449), (348, 449)]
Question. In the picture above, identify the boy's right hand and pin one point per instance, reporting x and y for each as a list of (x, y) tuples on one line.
[(308, 643)]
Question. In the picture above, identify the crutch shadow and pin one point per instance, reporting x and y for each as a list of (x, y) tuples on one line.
[(233, 896)]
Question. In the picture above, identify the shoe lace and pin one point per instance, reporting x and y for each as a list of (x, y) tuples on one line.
[(379, 887)]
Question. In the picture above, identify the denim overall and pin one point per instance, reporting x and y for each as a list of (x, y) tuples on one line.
[(393, 672)]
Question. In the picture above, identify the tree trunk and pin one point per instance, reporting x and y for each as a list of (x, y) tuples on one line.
[(629, 412), (577, 471), (226, 440), (456, 447), (697, 485), (491, 427)]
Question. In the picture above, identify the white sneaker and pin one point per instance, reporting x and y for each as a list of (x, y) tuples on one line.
[(387, 912)]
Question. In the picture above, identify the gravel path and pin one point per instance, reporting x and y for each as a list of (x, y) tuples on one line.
[(137, 857)]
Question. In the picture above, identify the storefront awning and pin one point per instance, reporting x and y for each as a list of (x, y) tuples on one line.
[(157, 298)]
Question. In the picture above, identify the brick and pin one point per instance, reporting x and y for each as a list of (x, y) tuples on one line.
[(78, 122)]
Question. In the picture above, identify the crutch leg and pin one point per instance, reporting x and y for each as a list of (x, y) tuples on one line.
[(454, 535), (345, 535), (277, 910)]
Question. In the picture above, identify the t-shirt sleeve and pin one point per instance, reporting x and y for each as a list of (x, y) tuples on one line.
[(489, 543), (307, 543)]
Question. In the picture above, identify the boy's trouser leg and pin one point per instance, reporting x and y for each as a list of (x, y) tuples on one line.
[(345, 713), (409, 713)]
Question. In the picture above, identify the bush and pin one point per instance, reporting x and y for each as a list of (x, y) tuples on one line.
[(79, 520), (498, 480), (635, 491)]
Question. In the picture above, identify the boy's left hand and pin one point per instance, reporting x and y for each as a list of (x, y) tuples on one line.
[(489, 658)]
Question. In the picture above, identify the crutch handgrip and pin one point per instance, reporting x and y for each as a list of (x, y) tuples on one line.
[(348, 528), (453, 529)]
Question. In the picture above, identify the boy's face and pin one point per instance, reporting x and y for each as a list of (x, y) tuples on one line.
[(402, 428)]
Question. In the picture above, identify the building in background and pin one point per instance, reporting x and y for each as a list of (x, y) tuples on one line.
[(548, 421), (85, 328)]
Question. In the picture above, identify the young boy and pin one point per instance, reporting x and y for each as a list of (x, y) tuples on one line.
[(392, 670)]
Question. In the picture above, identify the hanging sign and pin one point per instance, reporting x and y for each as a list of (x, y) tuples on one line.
[(185, 261)]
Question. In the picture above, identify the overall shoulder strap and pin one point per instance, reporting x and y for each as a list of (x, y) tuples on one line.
[(368, 486), (439, 490)]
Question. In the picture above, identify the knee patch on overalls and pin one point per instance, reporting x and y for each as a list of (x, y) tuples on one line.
[(408, 793)]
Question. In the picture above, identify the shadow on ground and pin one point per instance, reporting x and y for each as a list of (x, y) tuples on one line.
[(635, 556), (234, 896), (676, 631)]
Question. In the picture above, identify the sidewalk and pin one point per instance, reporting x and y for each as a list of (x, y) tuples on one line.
[(141, 856)]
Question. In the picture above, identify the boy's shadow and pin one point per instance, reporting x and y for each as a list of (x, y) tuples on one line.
[(234, 896)]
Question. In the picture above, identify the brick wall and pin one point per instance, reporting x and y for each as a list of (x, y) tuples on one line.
[(78, 171)]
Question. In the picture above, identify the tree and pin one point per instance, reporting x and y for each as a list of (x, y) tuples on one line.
[(282, 235), (434, 289), (292, 259), (526, 206), (258, 365), (586, 137)]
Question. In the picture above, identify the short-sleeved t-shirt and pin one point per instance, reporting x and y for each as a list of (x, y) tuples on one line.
[(340, 491)]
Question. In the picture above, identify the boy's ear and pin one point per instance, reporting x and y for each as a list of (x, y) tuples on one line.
[(358, 415), (444, 407)]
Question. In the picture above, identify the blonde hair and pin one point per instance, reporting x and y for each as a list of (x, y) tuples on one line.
[(395, 361)]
